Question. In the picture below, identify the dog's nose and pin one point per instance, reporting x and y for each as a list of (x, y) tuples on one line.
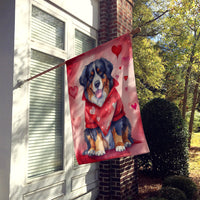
[(97, 83)]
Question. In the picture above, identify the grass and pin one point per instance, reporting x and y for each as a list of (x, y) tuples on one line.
[(195, 141), (194, 159)]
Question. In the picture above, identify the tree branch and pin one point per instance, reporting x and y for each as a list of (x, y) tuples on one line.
[(149, 87), (150, 21)]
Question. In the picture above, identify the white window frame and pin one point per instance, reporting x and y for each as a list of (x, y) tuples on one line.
[(23, 46)]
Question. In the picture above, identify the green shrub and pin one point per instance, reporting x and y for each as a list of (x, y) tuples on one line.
[(171, 193), (183, 183), (167, 138)]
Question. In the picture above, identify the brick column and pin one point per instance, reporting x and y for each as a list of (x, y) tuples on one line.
[(117, 177), (115, 19)]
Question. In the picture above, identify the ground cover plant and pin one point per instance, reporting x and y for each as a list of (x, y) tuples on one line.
[(185, 184)]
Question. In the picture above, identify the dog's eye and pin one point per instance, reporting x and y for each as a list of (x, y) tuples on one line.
[(99, 71), (91, 75), (101, 74)]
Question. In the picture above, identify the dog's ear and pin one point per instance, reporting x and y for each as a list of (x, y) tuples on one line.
[(83, 77), (109, 67)]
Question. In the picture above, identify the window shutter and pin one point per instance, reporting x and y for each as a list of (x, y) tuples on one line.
[(45, 141), (45, 138), (47, 29), (83, 43)]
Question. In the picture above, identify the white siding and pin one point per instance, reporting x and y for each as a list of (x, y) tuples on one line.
[(6, 87)]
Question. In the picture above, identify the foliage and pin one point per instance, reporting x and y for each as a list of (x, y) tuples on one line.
[(166, 135), (182, 183), (171, 193), (149, 70), (182, 40), (149, 67), (146, 15), (175, 27)]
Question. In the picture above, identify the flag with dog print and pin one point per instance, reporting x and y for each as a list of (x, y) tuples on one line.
[(104, 108)]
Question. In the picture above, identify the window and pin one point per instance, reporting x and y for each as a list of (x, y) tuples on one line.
[(47, 29), (46, 109), (83, 42)]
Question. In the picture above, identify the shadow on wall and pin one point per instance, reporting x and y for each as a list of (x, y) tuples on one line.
[(31, 135)]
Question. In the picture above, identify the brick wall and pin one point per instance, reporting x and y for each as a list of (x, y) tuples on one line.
[(115, 19), (118, 177)]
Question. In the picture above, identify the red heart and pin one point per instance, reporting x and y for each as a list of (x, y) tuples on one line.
[(116, 50), (120, 67), (134, 106), (125, 78), (73, 91)]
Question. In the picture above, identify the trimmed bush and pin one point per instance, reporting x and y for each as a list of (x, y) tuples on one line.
[(167, 138), (171, 193), (183, 183)]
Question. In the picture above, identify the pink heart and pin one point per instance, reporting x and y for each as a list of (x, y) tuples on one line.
[(126, 88), (134, 106), (116, 50), (73, 91), (116, 76), (126, 58)]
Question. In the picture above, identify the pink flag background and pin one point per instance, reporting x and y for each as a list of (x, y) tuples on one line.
[(119, 53)]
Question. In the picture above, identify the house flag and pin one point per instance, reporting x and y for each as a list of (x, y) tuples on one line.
[(104, 108)]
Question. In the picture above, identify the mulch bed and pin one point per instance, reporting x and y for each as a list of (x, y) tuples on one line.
[(148, 186)]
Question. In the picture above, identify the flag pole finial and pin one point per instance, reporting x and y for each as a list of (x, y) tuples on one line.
[(135, 31)]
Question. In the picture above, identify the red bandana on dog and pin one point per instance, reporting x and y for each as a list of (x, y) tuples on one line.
[(104, 108), (112, 110)]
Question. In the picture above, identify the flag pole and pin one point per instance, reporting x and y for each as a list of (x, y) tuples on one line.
[(20, 83), (134, 33)]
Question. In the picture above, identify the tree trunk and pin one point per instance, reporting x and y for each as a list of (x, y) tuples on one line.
[(198, 99), (185, 91), (193, 109), (188, 74)]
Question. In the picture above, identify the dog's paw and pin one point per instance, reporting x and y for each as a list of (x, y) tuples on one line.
[(91, 152), (100, 153), (120, 148), (127, 144)]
